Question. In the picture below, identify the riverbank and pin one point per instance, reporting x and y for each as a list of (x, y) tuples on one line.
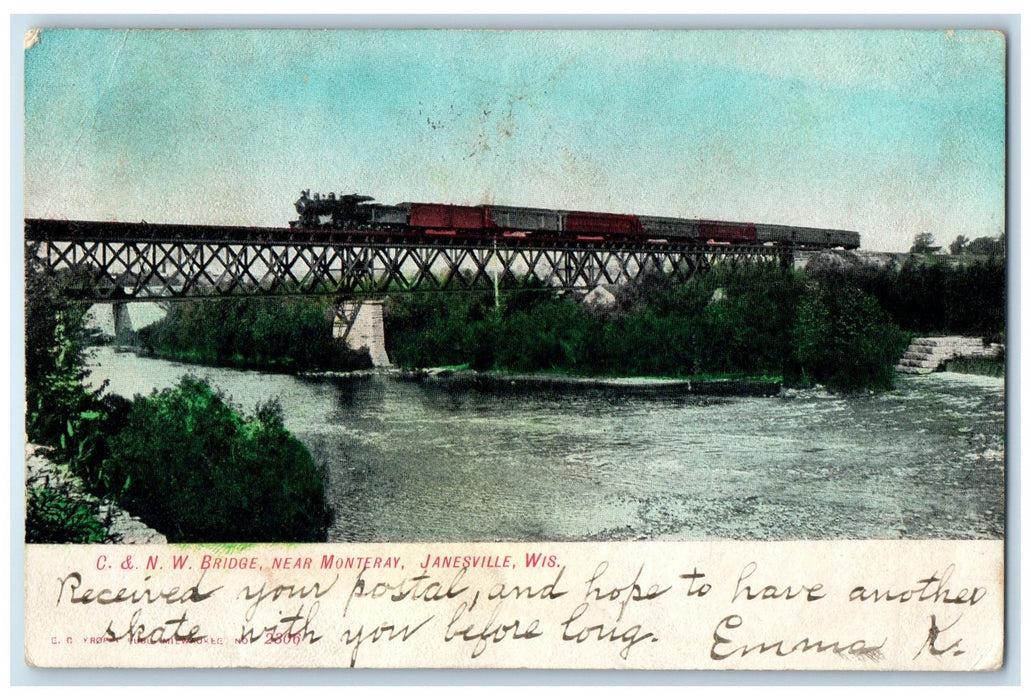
[(533, 381), (984, 366), (359, 361), (497, 381), (122, 527)]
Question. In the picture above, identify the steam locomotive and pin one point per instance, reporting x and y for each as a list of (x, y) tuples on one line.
[(358, 212)]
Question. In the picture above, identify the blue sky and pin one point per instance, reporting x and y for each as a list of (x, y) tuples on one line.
[(886, 132)]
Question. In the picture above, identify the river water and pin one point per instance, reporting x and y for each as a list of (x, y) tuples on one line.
[(419, 462)]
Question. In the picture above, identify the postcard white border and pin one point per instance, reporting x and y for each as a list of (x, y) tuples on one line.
[(21, 674)]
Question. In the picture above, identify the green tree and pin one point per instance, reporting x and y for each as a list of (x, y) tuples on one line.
[(60, 411), (959, 245), (986, 245), (54, 356), (922, 243)]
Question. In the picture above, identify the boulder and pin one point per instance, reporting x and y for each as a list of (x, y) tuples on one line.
[(600, 298)]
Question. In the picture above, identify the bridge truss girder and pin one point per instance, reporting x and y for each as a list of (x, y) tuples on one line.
[(168, 269)]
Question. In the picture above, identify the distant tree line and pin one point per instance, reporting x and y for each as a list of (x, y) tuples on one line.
[(923, 243), (931, 296), (750, 321)]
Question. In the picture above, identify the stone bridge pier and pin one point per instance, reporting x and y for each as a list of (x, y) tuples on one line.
[(360, 325), (124, 333)]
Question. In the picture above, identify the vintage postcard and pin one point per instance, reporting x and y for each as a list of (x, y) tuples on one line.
[(515, 349)]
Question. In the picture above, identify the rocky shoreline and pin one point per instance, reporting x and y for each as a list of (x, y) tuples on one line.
[(122, 527)]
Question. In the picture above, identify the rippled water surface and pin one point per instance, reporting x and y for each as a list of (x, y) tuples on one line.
[(410, 462)]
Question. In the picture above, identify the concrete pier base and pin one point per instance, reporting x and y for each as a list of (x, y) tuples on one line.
[(360, 325)]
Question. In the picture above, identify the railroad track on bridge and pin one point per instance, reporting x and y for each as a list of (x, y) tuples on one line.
[(122, 261)]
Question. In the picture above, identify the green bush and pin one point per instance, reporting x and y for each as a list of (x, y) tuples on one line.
[(60, 412), (196, 470), (553, 334), (843, 339), (437, 329), (54, 357), (53, 518), (277, 333)]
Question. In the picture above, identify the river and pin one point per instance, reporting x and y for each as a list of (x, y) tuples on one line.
[(416, 462)]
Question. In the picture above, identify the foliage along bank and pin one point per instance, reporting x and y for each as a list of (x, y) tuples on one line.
[(183, 460), (283, 334), (932, 296), (196, 469), (755, 321), (837, 327)]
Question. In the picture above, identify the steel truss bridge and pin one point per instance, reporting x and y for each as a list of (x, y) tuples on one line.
[(127, 261)]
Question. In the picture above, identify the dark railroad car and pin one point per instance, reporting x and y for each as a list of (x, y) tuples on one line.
[(808, 237), (523, 218), (849, 240), (668, 228)]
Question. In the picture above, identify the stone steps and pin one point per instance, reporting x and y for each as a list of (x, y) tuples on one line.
[(925, 355)]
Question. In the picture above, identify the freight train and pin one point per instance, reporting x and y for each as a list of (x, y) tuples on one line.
[(358, 212)]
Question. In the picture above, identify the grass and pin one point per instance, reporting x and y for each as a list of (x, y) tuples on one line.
[(986, 366)]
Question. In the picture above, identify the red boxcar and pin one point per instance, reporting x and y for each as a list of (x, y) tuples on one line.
[(611, 224), (446, 216), (723, 232)]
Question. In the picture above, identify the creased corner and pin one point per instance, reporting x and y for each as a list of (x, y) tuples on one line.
[(32, 37)]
